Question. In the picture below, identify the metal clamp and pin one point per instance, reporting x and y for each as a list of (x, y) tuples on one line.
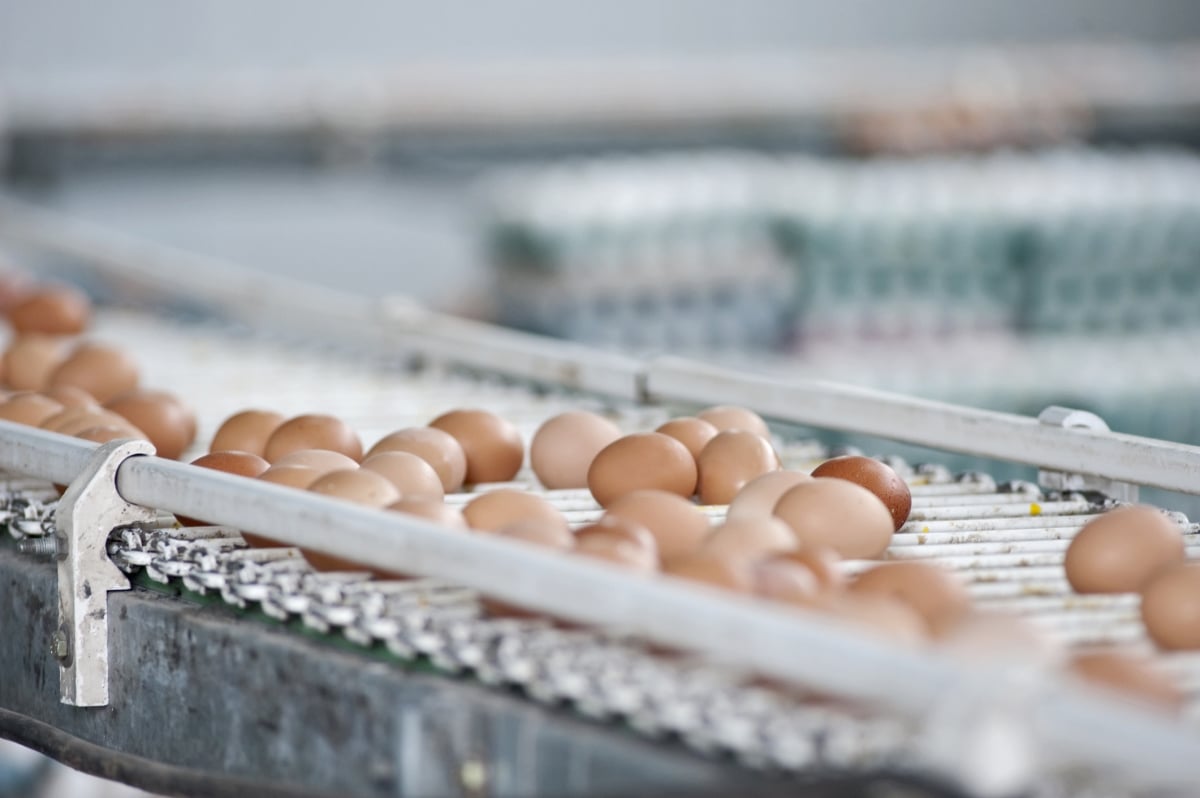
[(88, 512), (1070, 418)]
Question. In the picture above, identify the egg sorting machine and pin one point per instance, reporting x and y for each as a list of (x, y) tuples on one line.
[(229, 669)]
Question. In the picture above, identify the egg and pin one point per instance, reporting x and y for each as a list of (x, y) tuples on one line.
[(242, 464), (246, 431), (823, 562), (992, 639), (1130, 676), (1119, 551), (293, 476), (70, 396), (729, 461), (618, 549), (323, 461), (876, 477), (727, 418), (1171, 607), (104, 434), (499, 508), (492, 445), (678, 526), (750, 538), (358, 485), (723, 572), (313, 431), (784, 580), (539, 531), (936, 595), (440, 449), (759, 496), (611, 527), (563, 448), (31, 409), (694, 433), (643, 461), (168, 422), (31, 359), (878, 615), (56, 310), (842, 515), (72, 420), (103, 371), (436, 511), (411, 475)]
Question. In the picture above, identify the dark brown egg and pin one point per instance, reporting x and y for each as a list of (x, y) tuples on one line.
[(412, 476), (357, 485), (53, 310), (1121, 550), (758, 497), (1171, 607), (440, 449), (729, 461), (246, 431), (103, 371), (933, 592), (31, 359), (499, 508), (166, 420), (727, 418), (293, 476), (840, 514), (729, 574), (563, 448), (323, 461), (645, 461), (750, 538), (313, 431), (492, 445), (678, 526), (877, 477), (694, 433), (31, 409), (435, 511), (1130, 676)]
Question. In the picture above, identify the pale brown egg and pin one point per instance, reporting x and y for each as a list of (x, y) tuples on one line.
[(678, 526), (412, 476), (323, 461), (729, 461), (31, 409), (1119, 551), (694, 433), (877, 477), (54, 310), (1171, 607), (758, 497), (167, 421), (104, 434), (750, 538), (833, 512), (492, 445), (538, 531), (70, 396), (31, 359), (242, 464), (723, 572), (609, 527), (72, 420), (994, 639), (360, 486), (784, 580), (436, 511), (563, 448), (617, 549), (440, 449), (933, 592), (878, 615), (823, 562), (499, 508), (727, 418), (644, 461), (103, 371), (313, 431), (246, 431), (1130, 676), (293, 476)]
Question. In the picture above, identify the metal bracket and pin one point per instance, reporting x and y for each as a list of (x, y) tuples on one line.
[(89, 510), (1070, 418)]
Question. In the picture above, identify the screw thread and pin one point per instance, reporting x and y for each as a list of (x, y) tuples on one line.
[(39, 547)]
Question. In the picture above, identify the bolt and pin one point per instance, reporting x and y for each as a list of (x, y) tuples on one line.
[(473, 776), (44, 547), (59, 646)]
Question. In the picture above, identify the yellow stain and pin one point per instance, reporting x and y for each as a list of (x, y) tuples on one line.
[(1035, 509)]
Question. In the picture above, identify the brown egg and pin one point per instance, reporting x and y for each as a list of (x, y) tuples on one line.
[(540, 532), (104, 434), (440, 449), (323, 461), (823, 562), (833, 512), (313, 431), (994, 639), (360, 486), (168, 422), (723, 572), (31, 409), (54, 310), (937, 595), (727, 418), (878, 615), (645, 461), (412, 476), (73, 420), (293, 476), (246, 431), (694, 433), (1119, 551), (678, 526), (613, 527), (499, 508), (70, 396), (750, 538), (31, 359), (437, 511), (1131, 676), (242, 464), (492, 445), (618, 550), (877, 477), (563, 448), (758, 497), (784, 580), (1171, 607), (729, 461), (103, 371)]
